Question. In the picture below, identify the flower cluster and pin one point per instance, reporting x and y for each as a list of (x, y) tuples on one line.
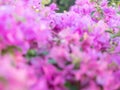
[(41, 49)]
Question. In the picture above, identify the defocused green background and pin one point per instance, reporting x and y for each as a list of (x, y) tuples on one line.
[(114, 2), (65, 4)]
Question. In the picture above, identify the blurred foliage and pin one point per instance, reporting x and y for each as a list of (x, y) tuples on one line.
[(73, 85), (114, 2), (65, 4)]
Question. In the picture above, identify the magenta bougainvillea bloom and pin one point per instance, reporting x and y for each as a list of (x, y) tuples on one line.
[(42, 49)]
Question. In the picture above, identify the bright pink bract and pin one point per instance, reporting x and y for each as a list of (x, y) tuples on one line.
[(41, 49)]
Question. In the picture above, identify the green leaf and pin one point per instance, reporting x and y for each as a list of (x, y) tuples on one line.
[(31, 53), (45, 2), (10, 49), (92, 13), (116, 35), (52, 61), (118, 12), (72, 85), (110, 31)]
